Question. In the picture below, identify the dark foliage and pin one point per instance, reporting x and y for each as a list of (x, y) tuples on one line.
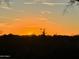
[(42, 46)]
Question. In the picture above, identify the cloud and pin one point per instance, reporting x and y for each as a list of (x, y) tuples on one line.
[(52, 4), (45, 3), (45, 13), (27, 3), (8, 8)]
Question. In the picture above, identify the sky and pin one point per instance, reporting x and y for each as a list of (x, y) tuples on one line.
[(28, 16)]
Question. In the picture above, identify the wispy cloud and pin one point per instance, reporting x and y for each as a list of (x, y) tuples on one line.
[(45, 12), (53, 3), (45, 3), (5, 7), (27, 3)]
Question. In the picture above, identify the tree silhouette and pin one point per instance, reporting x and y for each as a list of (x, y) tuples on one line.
[(71, 3), (32, 46)]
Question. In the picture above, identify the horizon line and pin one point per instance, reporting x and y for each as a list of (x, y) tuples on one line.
[(40, 34)]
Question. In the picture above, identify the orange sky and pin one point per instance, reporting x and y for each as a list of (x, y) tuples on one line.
[(28, 18), (31, 25)]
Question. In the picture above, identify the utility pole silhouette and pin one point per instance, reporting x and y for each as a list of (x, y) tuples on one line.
[(43, 31), (43, 34)]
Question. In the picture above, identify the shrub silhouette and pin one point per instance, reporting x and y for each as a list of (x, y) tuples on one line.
[(46, 46)]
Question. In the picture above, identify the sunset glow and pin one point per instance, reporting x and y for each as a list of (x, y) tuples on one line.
[(27, 19), (32, 26)]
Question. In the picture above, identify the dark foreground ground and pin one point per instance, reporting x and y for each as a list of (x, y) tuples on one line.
[(37, 47)]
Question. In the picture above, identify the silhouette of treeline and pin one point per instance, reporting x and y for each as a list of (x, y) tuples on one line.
[(41, 46)]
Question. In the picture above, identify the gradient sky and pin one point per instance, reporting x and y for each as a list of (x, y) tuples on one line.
[(28, 16)]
